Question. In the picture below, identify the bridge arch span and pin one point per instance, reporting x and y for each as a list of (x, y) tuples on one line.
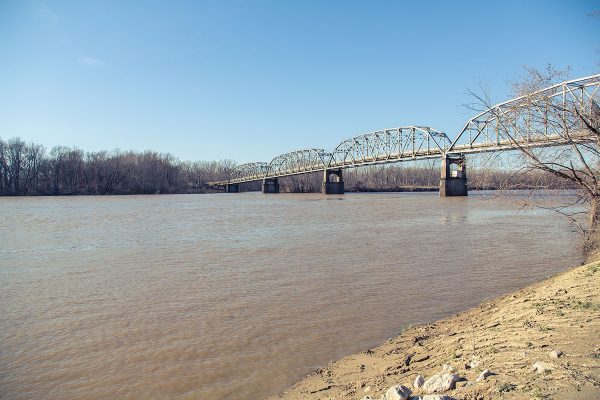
[(298, 162), (249, 172), (547, 117), (389, 145)]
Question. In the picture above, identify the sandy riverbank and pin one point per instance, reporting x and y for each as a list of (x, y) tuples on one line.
[(507, 336)]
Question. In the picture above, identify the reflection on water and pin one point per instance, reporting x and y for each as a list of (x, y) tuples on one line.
[(237, 296)]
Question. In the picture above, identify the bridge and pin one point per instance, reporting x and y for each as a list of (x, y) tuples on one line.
[(549, 117)]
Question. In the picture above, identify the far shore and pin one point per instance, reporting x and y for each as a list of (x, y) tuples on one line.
[(407, 189), (539, 342)]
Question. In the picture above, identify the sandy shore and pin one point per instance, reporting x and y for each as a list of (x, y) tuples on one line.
[(506, 336)]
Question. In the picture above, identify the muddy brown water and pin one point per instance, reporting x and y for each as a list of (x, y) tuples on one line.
[(238, 296)]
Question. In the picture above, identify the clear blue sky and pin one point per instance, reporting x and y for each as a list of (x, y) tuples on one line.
[(248, 80)]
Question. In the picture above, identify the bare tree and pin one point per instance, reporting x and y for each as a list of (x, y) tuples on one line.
[(28, 169), (305, 183), (565, 115), (4, 167)]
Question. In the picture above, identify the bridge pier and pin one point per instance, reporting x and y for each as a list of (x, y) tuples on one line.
[(232, 188), (333, 182), (453, 180), (270, 185)]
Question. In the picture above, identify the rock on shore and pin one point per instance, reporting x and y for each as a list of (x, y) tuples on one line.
[(505, 348)]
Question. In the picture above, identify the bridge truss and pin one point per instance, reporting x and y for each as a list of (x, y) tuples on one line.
[(298, 162), (549, 117), (552, 116), (389, 145)]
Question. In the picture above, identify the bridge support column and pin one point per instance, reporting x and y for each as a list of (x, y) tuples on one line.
[(232, 188), (333, 182), (270, 185), (453, 180)]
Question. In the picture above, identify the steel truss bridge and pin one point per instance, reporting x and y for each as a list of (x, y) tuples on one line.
[(543, 118)]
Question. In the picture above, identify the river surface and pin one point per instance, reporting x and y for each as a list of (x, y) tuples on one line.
[(236, 296)]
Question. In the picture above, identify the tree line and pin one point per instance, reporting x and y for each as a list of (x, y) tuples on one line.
[(413, 176), (29, 169)]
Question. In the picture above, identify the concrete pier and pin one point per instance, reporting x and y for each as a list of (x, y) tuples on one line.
[(333, 182), (270, 185), (232, 188), (453, 179)]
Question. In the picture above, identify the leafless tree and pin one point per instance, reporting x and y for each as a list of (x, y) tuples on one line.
[(571, 121), (27, 169)]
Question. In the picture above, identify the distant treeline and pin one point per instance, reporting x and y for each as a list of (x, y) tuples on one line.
[(412, 176), (29, 169)]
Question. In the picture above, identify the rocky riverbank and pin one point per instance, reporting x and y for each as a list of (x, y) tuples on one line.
[(542, 342)]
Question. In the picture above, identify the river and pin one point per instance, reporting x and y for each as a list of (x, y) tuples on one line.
[(236, 296)]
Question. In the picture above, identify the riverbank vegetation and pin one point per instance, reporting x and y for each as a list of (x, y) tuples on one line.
[(30, 169), (484, 173)]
